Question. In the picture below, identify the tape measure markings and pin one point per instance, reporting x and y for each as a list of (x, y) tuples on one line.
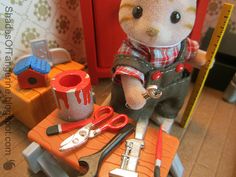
[(210, 55)]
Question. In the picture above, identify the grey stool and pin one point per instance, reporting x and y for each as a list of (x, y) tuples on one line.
[(230, 92)]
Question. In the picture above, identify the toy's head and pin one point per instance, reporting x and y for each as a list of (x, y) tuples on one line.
[(157, 23)]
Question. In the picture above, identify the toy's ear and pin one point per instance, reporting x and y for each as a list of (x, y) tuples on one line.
[(194, 1)]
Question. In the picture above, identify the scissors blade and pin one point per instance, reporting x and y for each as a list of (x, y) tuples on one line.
[(76, 140), (94, 133)]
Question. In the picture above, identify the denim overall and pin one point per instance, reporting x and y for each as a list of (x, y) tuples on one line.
[(172, 80)]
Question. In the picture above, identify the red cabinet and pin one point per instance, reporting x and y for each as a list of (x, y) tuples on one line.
[(201, 12), (103, 34)]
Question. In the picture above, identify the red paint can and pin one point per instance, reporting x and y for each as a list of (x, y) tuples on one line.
[(73, 93)]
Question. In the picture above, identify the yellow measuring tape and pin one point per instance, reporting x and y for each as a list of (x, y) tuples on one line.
[(210, 56)]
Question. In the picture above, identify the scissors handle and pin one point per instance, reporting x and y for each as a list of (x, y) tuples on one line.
[(102, 113), (115, 123)]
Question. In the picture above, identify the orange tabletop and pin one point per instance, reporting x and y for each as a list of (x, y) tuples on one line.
[(146, 162), (30, 106)]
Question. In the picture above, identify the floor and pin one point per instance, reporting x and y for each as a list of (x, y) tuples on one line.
[(207, 149)]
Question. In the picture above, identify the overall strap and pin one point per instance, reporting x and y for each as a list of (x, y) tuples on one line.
[(138, 63), (182, 52)]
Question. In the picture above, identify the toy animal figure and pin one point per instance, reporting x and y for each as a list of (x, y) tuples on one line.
[(155, 53)]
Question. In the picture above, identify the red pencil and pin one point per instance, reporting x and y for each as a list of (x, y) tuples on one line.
[(157, 170)]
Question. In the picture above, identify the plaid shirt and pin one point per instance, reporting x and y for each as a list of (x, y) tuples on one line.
[(159, 57)]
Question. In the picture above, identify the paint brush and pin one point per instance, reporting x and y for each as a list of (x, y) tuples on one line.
[(66, 127)]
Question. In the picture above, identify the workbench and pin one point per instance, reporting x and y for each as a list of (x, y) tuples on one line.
[(41, 154), (30, 106)]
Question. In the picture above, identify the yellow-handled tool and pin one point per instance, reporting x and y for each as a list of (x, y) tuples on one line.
[(210, 56)]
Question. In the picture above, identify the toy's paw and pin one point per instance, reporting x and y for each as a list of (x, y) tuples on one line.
[(199, 60), (135, 101), (133, 90), (166, 123)]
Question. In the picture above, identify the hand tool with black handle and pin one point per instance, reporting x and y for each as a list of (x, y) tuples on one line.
[(93, 162)]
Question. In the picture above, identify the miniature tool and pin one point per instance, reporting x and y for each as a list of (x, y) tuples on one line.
[(211, 53), (152, 91), (102, 114), (54, 56), (93, 162), (157, 169), (131, 156), (66, 127), (40, 49)]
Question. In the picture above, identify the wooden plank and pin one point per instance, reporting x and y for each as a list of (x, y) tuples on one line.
[(26, 94), (227, 165), (28, 113), (214, 140), (15, 136), (4, 172), (54, 71), (15, 132), (194, 136), (14, 87), (19, 141), (14, 76), (70, 66), (201, 171), (234, 170), (24, 101), (21, 170)]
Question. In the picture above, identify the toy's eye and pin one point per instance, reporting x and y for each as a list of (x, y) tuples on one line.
[(175, 17), (137, 12)]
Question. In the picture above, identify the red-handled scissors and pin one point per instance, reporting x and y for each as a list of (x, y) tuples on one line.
[(102, 114)]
